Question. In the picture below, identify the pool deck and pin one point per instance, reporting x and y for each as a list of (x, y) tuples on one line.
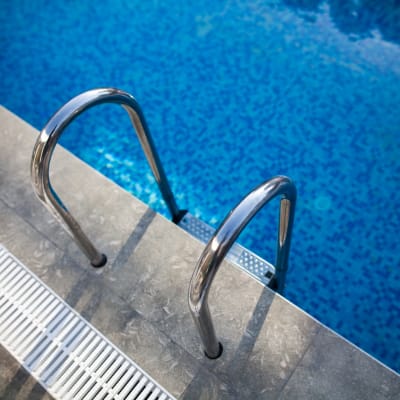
[(272, 349)]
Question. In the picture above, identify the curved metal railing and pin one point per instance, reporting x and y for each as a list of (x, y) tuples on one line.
[(223, 239), (46, 144)]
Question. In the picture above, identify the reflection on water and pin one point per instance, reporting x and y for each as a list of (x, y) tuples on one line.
[(358, 18)]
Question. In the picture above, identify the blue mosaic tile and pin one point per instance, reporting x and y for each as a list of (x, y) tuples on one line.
[(234, 93)]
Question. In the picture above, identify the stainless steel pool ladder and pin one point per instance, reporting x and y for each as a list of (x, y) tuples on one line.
[(46, 144), (224, 238)]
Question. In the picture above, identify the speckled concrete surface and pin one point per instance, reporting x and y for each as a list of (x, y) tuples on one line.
[(272, 350)]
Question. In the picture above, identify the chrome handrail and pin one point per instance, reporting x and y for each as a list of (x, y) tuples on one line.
[(223, 239), (46, 143)]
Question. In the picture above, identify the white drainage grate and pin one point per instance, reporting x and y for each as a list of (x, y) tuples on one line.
[(260, 269), (62, 351)]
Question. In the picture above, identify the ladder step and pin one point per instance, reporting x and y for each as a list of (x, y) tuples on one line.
[(241, 257)]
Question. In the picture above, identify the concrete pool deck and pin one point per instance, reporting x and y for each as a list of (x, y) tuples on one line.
[(272, 349)]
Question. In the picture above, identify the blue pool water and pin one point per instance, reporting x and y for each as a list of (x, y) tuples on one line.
[(235, 92)]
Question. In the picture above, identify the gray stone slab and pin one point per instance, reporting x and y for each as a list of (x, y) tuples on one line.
[(16, 383), (279, 340), (206, 386), (334, 369), (38, 253), (18, 137), (17, 193)]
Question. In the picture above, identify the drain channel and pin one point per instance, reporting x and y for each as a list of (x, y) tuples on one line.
[(62, 351)]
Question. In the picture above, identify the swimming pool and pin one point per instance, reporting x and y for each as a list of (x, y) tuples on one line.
[(234, 93)]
